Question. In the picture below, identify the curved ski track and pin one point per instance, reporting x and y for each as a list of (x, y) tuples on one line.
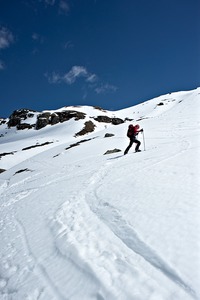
[(115, 222)]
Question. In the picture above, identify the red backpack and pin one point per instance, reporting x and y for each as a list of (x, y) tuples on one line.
[(131, 131)]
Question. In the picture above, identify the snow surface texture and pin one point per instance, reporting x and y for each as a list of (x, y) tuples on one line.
[(77, 224)]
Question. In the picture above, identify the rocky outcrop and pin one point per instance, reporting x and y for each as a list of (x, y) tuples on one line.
[(105, 119), (18, 115), (24, 126), (69, 114), (40, 120), (117, 121), (112, 151), (54, 119), (47, 118), (89, 127)]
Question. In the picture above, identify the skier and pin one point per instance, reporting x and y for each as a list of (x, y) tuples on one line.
[(132, 134)]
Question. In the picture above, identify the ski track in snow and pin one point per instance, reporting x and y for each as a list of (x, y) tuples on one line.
[(38, 268), (76, 209), (71, 218), (34, 265), (112, 218)]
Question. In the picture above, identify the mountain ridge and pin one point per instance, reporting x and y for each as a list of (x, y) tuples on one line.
[(78, 121)]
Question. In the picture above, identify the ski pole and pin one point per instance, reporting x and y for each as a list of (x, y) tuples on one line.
[(143, 140)]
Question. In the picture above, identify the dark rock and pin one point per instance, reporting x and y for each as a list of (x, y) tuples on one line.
[(41, 122), (22, 113), (22, 170), (108, 135), (2, 170), (24, 126), (43, 119), (159, 104), (14, 121), (18, 115), (77, 115), (77, 144), (89, 127), (103, 119), (6, 153), (37, 145), (128, 119), (69, 114), (142, 118), (112, 151), (54, 119), (117, 121), (30, 115), (45, 115)]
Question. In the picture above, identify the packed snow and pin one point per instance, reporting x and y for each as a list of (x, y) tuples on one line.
[(78, 224)]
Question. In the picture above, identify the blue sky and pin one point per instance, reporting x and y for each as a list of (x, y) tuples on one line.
[(110, 53)]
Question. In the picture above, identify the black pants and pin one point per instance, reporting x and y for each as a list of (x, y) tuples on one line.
[(133, 140)]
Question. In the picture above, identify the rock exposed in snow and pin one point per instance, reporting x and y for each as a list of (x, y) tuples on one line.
[(28, 119), (106, 119), (89, 127), (112, 151), (108, 135)]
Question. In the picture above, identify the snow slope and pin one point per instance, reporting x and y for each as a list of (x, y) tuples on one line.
[(77, 224)]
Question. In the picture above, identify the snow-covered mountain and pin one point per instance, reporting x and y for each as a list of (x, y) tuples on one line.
[(78, 224)]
